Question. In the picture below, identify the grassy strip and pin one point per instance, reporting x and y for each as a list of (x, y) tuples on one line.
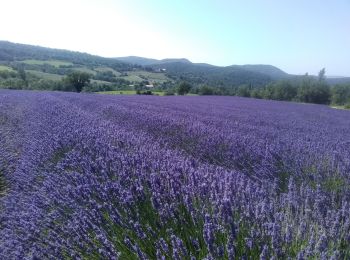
[(55, 63), (127, 92), (5, 68), (341, 107)]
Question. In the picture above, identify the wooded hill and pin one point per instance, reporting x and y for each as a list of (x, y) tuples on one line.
[(34, 67)]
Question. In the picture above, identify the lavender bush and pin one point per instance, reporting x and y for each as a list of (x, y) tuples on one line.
[(139, 177)]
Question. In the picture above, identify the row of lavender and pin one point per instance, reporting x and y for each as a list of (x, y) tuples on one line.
[(131, 177)]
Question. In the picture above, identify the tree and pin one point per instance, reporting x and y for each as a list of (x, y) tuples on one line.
[(78, 80), (183, 88), (206, 90), (341, 94), (321, 75), (22, 74), (314, 91), (243, 91), (280, 90)]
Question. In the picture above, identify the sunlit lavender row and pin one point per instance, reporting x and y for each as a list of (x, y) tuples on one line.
[(142, 177)]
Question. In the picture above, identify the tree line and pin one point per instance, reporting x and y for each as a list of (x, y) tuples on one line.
[(307, 89)]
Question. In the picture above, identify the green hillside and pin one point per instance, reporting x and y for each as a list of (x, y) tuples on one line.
[(33, 67), (46, 64)]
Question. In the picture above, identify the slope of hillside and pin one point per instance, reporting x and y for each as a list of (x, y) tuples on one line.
[(138, 60), (147, 61), (213, 75), (43, 63), (269, 70), (18, 52)]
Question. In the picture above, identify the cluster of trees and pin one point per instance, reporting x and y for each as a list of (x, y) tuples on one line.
[(306, 89), (341, 95), (205, 74), (184, 88), (19, 79), (45, 67), (73, 80)]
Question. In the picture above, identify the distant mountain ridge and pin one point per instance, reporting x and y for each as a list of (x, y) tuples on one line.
[(16, 51), (269, 70), (134, 69), (148, 61)]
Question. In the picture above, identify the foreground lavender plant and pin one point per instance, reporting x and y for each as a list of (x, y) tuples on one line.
[(90, 176)]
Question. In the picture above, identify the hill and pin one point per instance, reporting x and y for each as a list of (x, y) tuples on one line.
[(46, 66), (147, 61), (202, 73), (41, 63), (205, 74), (338, 80), (269, 70), (18, 52)]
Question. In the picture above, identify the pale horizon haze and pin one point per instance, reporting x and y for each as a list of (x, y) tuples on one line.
[(296, 36)]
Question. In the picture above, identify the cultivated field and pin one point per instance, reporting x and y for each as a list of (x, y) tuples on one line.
[(55, 63), (146, 177), (5, 68)]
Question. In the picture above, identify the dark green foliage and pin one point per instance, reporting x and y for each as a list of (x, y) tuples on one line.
[(341, 94), (280, 90), (94, 87), (145, 92), (206, 90), (4, 74), (12, 83), (13, 51), (244, 91), (169, 92), (307, 89), (257, 81), (105, 76), (78, 80), (22, 74), (314, 91), (205, 74), (321, 75), (271, 71), (184, 88)]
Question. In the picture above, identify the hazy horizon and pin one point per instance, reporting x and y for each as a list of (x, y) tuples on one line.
[(295, 36)]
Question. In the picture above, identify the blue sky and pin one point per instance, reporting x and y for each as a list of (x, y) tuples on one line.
[(297, 36)]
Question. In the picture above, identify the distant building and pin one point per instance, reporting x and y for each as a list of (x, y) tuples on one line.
[(149, 86), (160, 70)]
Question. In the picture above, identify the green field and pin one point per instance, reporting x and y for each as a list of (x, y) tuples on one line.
[(4, 67), (139, 75), (127, 92), (55, 63), (105, 69), (44, 75), (340, 107), (160, 77), (84, 69), (101, 82)]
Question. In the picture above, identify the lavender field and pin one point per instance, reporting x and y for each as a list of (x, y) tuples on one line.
[(86, 176)]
